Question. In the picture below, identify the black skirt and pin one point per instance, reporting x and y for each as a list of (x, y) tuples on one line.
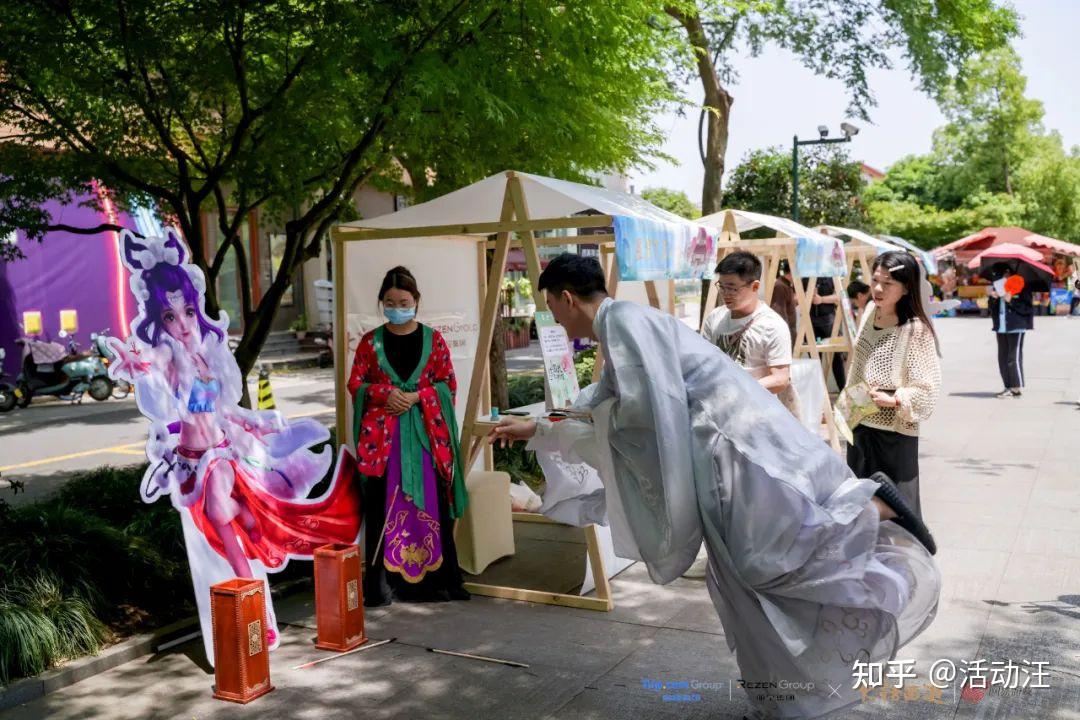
[(893, 453), (382, 586)]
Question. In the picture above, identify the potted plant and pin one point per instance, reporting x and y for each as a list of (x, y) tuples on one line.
[(299, 326), (508, 293), (525, 291)]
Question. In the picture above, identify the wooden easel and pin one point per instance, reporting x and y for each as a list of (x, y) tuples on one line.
[(515, 228), (772, 251)]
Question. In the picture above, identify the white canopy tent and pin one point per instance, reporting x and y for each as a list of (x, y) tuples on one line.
[(482, 202), (861, 248), (510, 202)]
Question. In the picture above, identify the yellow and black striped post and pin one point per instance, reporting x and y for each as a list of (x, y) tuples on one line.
[(266, 395)]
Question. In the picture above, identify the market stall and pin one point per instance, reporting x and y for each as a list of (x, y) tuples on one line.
[(445, 242), (1063, 257)]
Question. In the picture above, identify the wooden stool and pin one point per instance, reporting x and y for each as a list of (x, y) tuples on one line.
[(485, 532), (241, 658)]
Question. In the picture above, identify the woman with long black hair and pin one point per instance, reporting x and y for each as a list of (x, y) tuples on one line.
[(896, 355)]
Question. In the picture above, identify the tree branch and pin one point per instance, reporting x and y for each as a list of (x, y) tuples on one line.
[(103, 227)]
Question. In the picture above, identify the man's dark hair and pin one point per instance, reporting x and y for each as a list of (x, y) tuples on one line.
[(582, 276), (856, 288), (744, 264)]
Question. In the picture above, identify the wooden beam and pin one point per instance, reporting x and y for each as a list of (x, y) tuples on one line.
[(604, 239), (485, 400), (487, 324), (505, 225), (610, 265), (599, 568), (650, 291), (540, 596), (534, 518), (532, 258), (341, 343)]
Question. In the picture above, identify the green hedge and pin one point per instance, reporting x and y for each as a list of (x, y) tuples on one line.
[(91, 558)]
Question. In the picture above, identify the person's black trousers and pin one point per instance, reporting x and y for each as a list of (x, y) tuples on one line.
[(824, 330), (893, 453), (1011, 359)]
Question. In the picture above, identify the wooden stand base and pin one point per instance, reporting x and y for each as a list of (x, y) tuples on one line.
[(241, 657), (339, 598)]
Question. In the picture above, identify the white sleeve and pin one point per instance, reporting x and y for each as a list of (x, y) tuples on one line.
[(777, 341), (569, 454), (574, 440), (708, 328)]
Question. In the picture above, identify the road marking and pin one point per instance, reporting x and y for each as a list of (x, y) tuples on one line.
[(313, 413), (123, 449), (71, 456)]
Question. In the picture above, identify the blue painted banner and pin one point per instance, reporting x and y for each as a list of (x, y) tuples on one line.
[(820, 257), (649, 249)]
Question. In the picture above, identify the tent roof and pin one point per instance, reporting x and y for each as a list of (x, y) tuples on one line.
[(1016, 235), (862, 237), (746, 220), (545, 197), (1059, 246)]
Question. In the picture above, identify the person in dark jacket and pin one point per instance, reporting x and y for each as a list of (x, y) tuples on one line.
[(1012, 318)]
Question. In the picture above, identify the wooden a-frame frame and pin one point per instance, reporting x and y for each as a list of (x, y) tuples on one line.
[(514, 220)]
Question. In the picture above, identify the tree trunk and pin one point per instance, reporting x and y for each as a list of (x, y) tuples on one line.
[(717, 116), (500, 386)]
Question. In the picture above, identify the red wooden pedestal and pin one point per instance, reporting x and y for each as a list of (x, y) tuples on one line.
[(241, 658), (339, 598)]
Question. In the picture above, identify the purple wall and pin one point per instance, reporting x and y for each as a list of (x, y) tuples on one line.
[(65, 271)]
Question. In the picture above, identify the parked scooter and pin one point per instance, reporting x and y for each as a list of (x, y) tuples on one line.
[(121, 388), (48, 370), (8, 393)]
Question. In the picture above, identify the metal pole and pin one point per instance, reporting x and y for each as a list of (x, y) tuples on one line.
[(795, 179)]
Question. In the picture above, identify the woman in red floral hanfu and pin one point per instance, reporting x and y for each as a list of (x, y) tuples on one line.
[(407, 450)]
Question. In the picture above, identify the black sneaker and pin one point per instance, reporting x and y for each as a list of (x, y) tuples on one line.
[(906, 517)]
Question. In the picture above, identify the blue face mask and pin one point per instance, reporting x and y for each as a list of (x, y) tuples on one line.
[(399, 316)]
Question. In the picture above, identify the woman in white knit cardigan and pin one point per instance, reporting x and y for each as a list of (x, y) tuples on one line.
[(896, 355)]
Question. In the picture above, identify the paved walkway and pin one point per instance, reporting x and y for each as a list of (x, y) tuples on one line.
[(1001, 490)]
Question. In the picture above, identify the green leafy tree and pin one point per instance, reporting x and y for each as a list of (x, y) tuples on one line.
[(1049, 183), (929, 227), (830, 185), (288, 107), (992, 125), (992, 164), (841, 39), (674, 201)]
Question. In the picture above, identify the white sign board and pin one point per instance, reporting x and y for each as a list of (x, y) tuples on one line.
[(445, 269)]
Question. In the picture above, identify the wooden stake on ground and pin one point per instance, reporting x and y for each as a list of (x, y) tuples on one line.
[(511, 663), (341, 655)]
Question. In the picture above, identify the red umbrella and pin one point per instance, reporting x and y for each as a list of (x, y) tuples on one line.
[(1023, 261)]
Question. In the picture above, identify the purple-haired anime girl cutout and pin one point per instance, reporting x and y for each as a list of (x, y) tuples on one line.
[(239, 478)]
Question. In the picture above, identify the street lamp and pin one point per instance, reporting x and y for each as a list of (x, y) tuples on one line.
[(849, 131)]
